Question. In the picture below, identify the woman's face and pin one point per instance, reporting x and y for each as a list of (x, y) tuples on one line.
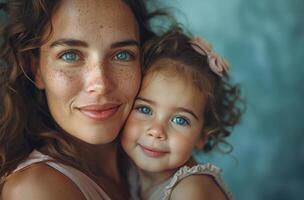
[(90, 68)]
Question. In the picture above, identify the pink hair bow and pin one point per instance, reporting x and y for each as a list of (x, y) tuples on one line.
[(217, 64)]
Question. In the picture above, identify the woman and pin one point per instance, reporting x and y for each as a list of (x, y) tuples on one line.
[(71, 72)]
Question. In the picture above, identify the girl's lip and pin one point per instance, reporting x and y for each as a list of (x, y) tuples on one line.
[(152, 152), (99, 112)]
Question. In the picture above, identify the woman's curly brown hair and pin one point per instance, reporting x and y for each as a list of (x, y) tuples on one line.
[(223, 108)]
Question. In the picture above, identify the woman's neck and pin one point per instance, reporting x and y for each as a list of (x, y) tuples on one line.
[(103, 164), (102, 160)]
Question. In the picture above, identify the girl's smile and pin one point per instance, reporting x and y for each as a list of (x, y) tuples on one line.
[(152, 151)]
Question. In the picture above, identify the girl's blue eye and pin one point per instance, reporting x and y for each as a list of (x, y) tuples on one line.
[(123, 56), (180, 121), (144, 110), (70, 57)]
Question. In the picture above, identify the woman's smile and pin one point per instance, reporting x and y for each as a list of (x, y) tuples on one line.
[(99, 112)]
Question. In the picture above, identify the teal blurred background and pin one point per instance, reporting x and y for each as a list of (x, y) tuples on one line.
[(264, 42)]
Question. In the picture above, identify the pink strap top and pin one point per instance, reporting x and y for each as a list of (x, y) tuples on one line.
[(86, 185)]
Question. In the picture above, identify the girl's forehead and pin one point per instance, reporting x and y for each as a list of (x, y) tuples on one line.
[(169, 68), (187, 74), (165, 80), (172, 91), (166, 67)]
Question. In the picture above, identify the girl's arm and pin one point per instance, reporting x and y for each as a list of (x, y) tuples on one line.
[(40, 182), (197, 187)]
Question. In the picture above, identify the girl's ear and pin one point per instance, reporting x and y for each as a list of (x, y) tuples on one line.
[(37, 74), (201, 141)]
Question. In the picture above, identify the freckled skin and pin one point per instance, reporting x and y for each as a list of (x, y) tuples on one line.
[(97, 78)]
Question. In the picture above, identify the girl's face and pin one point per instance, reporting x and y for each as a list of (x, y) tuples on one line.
[(166, 121), (90, 69)]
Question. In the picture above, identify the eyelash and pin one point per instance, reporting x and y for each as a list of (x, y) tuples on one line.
[(129, 54), (139, 108), (75, 52), (186, 121)]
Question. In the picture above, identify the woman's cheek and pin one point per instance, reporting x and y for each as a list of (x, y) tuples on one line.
[(62, 84), (130, 81)]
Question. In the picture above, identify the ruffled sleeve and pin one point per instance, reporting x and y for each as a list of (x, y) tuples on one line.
[(206, 169)]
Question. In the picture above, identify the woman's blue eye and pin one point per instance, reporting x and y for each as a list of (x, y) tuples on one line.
[(70, 57), (144, 109), (123, 56), (180, 121)]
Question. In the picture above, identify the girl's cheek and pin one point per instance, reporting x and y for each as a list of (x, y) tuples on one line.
[(183, 143), (133, 126)]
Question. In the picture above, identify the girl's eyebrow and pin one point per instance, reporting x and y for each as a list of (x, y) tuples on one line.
[(80, 43), (187, 111), (177, 109), (147, 100)]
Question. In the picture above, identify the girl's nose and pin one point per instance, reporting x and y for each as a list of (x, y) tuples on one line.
[(157, 131), (99, 80)]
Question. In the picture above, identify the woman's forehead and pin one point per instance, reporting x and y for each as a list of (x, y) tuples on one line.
[(98, 18)]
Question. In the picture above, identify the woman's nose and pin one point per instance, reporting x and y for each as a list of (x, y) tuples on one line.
[(100, 80), (157, 131)]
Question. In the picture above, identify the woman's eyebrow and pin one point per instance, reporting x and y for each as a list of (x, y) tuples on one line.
[(125, 43), (69, 42), (74, 42)]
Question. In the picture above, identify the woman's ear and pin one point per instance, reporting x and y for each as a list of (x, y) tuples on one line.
[(37, 74)]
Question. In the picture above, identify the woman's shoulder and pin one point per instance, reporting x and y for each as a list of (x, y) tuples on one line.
[(39, 181)]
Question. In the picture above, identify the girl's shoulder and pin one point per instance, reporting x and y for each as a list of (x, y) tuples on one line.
[(197, 187), (39, 181), (198, 182)]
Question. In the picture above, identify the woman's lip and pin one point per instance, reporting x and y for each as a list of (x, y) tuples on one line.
[(152, 152), (99, 112)]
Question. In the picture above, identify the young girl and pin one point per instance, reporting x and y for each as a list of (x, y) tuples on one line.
[(185, 103)]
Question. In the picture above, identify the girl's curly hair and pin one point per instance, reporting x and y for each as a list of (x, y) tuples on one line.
[(223, 108)]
